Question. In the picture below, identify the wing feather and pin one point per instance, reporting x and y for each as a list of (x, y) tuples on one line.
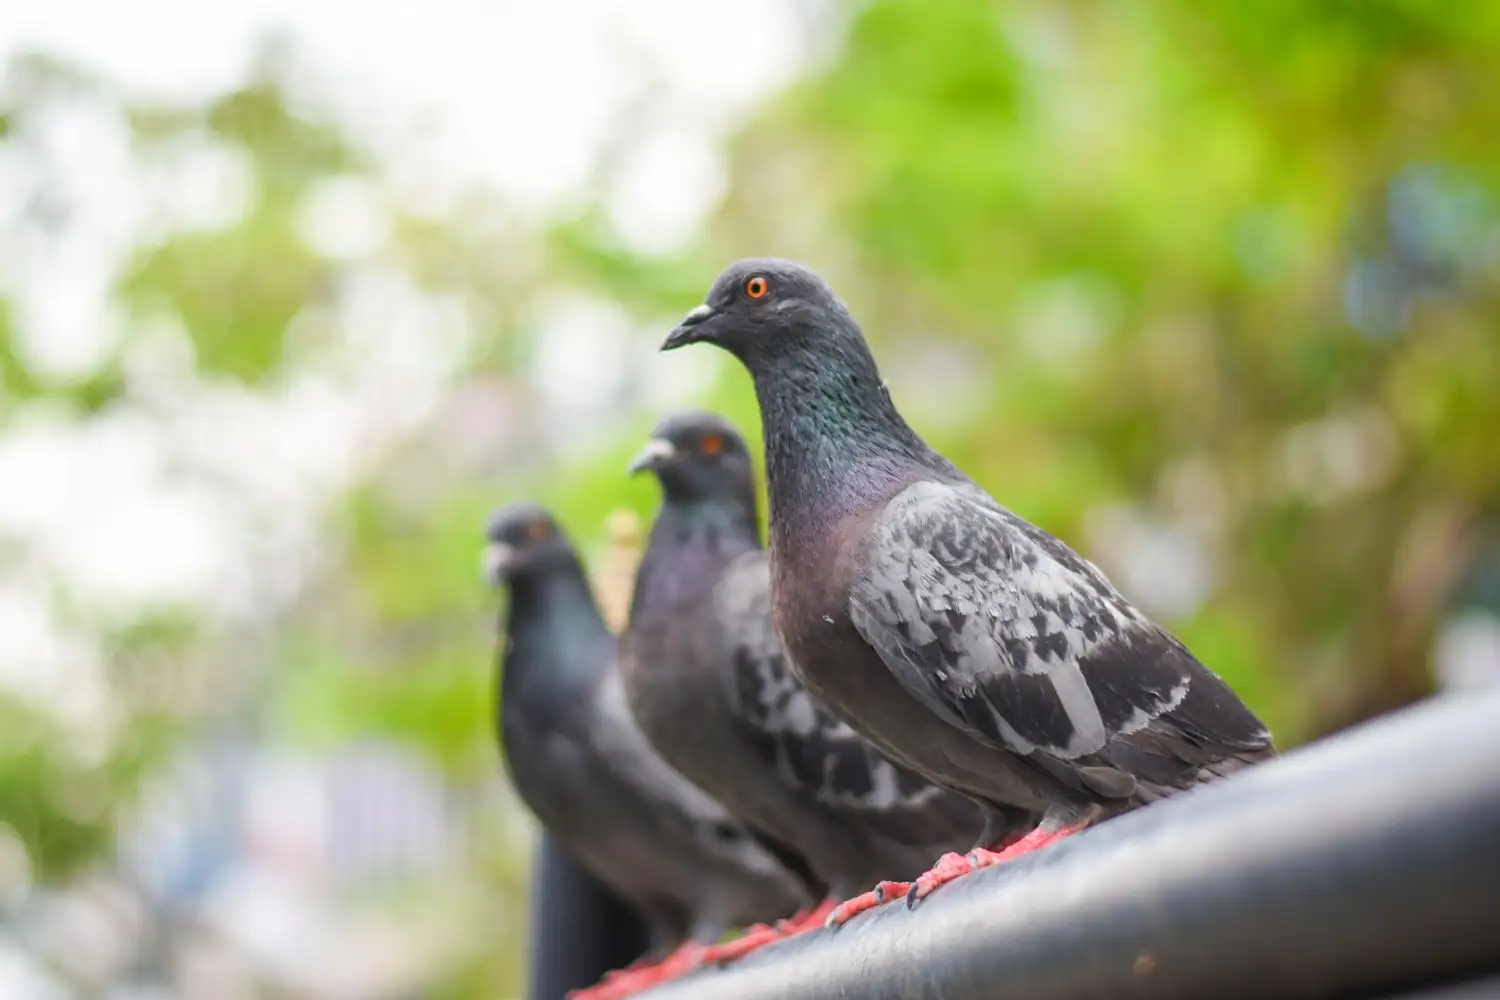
[(809, 747), (1005, 632)]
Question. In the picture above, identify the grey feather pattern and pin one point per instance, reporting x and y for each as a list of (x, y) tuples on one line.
[(637, 824), (580, 761), (623, 751), (1006, 633), (810, 748)]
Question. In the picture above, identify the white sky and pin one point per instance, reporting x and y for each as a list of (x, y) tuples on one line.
[(212, 495), (519, 95), (525, 90)]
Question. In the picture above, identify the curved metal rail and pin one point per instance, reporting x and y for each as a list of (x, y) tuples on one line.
[(1365, 865)]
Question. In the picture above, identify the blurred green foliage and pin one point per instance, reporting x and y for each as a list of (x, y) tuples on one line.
[(1228, 268), (1234, 266)]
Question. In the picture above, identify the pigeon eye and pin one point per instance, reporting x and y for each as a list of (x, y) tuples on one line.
[(538, 530), (725, 833), (757, 287), (711, 444)]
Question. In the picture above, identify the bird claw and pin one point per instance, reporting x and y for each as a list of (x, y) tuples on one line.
[(808, 919), (948, 868), (754, 938), (883, 892), (644, 974), (760, 935), (954, 866)]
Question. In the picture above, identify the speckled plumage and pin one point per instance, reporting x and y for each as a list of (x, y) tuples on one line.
[(964, 642), (715, 692), (581, 764)]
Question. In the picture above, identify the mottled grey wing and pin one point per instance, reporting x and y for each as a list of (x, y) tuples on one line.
[(672, 802), (1005, 632), (627, 756), (808, 746)]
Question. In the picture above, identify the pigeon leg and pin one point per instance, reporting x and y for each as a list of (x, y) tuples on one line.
[(642, 975), (755, 937), (952, 866), (883, 892), (808, 919), (760, 935), (996, 823)]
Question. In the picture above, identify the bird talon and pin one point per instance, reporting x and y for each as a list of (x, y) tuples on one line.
[(806, 920), (883, 892), (754, 938), (948, 868), (643, 974)]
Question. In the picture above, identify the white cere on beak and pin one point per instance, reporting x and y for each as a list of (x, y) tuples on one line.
[(655, 450), (494, 560)]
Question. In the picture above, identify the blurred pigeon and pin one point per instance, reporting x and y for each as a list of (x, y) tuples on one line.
[(582, 765), (966, 643), (709, 682)]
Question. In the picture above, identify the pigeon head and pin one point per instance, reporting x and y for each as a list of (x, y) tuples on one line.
[(762, 309), (833, 435), (698, 457), (524, 540)]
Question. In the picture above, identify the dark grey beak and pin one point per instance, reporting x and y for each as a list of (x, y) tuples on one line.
[(495, 562), (654, 455), (687, 331)]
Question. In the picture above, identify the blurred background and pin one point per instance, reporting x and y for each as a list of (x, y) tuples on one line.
[(292, 294)]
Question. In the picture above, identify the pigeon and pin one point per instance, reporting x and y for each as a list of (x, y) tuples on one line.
[(713, 690), (582, 765), (964, 642)]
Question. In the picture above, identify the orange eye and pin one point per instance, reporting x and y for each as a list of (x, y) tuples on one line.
[(711, 444), (757, 287), (538, 530)]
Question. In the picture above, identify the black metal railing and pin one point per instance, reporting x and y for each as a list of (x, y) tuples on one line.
[(1362, 865), (1366, 865)]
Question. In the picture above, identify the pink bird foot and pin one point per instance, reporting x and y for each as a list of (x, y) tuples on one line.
[(954, 866), (883, 892), (644, 974)]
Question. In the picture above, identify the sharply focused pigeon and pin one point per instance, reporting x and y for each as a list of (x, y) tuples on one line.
[(707, 678), (966, 643), (581, 764)]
